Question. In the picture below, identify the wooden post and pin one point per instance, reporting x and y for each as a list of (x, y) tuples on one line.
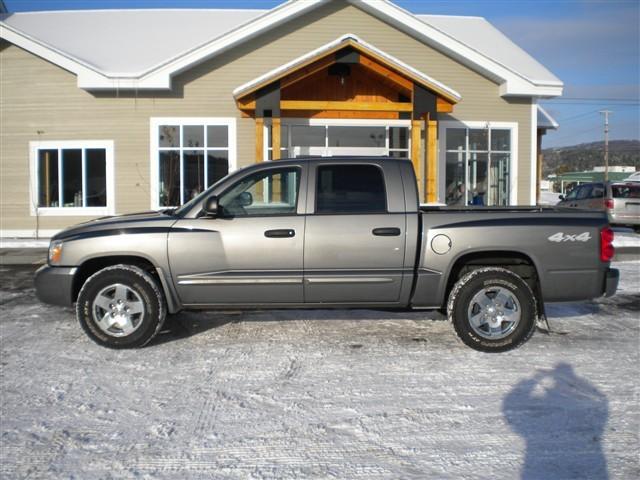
[(431, 159), (416, 127), (259, 139), (275, 138)]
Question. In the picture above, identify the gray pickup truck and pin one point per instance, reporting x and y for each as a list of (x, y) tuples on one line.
[(328, 233)]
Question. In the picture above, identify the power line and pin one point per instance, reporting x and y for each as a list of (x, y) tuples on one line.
[(574, 134), (617, 105), (604, 99), (591, 112), (585, 114)]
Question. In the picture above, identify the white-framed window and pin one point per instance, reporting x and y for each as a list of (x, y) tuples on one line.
[(72, 177), (189, 154), (332, 137), (479, 161)]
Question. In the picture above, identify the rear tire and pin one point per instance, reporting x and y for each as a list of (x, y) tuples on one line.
[(492, 310), (121, 306)]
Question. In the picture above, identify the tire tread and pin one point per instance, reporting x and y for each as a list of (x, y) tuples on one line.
[(469, 277), (144, 276)]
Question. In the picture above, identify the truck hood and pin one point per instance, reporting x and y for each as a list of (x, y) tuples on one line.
[(153, 221)]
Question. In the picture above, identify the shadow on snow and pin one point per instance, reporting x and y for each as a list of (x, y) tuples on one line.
[(561, 417)]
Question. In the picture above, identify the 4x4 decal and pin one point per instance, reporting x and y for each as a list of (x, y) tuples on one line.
[(562, 237)]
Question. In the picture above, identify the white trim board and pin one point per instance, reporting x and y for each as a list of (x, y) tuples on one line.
[(512, 83), (513, 161), (534, 150), (154, 159), (107, 145)]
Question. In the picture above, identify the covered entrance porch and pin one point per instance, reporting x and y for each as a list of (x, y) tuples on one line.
[(349, 98)]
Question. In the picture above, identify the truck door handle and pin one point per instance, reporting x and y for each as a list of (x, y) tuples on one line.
[(282, 233), (386, 232)]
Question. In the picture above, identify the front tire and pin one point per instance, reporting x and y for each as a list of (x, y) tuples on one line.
[(492, 310), (121, 306)]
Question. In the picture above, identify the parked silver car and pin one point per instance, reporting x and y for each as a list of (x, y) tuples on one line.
[(621, 200)]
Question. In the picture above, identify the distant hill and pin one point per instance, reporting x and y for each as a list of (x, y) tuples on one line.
[(585, 156)]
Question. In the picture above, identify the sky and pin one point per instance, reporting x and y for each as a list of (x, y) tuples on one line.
[(593, 46)]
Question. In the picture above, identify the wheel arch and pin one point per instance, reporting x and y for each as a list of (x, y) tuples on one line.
[(515, 261), (94, 264)]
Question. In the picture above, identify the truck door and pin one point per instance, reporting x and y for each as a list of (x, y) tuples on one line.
[(354, 239), (252, 252)]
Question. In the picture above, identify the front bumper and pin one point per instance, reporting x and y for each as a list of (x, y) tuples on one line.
[(611, 282), (54, 285)]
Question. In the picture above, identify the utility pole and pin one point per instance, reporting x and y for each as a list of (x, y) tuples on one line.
[(606, 143)]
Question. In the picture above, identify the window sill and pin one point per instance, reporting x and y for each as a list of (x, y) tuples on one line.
[(72, 212)]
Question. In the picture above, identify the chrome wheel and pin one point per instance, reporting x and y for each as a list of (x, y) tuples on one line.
[(118, 310), (494, 312)]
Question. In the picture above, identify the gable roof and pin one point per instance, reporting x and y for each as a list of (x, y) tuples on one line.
[(105, 51), (126, 43), (348, 40), (480, 35)]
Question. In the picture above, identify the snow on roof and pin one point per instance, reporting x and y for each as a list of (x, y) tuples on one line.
[(127, 42), (478, 34), (106, 46)]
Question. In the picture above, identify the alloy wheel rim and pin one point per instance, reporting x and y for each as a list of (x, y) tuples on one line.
[(118, 310), (494, 313)]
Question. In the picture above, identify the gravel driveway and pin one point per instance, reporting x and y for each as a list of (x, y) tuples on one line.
[(319, 394)]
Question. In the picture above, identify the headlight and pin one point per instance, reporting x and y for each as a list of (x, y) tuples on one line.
[(55, 253)]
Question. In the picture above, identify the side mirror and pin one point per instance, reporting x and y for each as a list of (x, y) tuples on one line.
[(561, 197), (245, 199), (211, 208)]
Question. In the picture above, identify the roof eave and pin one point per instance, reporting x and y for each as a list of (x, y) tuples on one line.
[(90, 78)]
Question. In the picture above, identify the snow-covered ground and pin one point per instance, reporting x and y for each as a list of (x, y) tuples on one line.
[(319, 394), (625, 238), (24, 243)]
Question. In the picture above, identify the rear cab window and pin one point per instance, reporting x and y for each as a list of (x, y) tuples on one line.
[(350, 189)]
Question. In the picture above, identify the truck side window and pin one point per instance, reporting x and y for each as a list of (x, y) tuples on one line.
[(584, 192), (597, 191), (268, 192), (350, 189)]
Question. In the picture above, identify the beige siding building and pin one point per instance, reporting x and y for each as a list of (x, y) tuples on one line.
[(100, 118)]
